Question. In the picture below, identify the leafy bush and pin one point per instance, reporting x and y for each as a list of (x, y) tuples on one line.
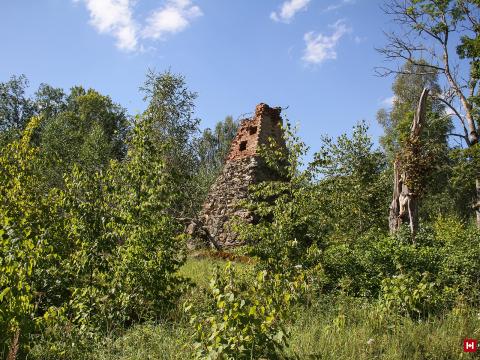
[(460, 266), (247, 317), (414, 294), (437, 272)]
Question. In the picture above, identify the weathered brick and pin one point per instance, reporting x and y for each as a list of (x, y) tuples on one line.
[(243, 167)]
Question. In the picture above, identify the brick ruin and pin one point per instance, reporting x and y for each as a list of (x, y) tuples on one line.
[(243, 167)]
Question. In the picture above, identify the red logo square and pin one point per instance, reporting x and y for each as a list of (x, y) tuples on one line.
[(469, 345)]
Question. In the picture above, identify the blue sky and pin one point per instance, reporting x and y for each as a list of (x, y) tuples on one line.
[(315, 56)]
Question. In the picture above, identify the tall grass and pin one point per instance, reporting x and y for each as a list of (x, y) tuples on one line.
[(354, 329), (148, 342)]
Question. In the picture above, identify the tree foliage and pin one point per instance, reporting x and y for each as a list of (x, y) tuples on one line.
[(213, 146), (170, 115), (92, 245), (87, 129), (25, 216), (16, 108)]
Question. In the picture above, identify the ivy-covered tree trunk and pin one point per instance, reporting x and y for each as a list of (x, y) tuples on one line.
[(404, 207), (477, 205)]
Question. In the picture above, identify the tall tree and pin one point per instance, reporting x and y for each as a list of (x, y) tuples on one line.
[(87, 129), (352, 190), (49, 101), (170, 113), (213, 147), (16, 108), (434, 28)]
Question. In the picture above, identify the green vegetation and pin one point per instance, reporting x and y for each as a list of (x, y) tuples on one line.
[(331, 327), (94, 202)]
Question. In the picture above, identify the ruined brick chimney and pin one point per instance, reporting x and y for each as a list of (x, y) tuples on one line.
[(243, 167)]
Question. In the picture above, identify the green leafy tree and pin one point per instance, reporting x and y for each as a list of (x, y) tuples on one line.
[(215, 144), (153, 243), (121, 250), (86, 263), (213, 147), (49, 101), (352, 184), (171, 121), (87, 130), (436, 28), (23, 243), (16, 108)]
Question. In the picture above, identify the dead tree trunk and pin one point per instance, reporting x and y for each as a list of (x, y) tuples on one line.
[(404, 207)]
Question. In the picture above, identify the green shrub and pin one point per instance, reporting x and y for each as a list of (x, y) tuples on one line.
[(247, 316), (442, 267), (461, 264), (413, 294)]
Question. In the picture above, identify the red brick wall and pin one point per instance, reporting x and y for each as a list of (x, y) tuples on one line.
[(253, 132)]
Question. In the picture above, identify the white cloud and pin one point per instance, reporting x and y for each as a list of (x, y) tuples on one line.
[(338, 5), (115, 17), (175, 16), (288, 10), (320, 47)]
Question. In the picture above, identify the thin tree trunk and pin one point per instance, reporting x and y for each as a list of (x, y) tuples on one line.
[(394, 219), (14, 346), (404, 206)]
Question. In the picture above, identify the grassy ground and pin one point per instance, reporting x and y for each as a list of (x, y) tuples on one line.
[(332, 328), (148, 342), (200, 270), (350, 329)]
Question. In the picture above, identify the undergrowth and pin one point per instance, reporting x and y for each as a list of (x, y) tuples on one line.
[(330, 327)]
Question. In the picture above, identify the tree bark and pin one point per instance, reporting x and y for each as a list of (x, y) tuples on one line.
[(404, 206), (14, 346), (477, 205)]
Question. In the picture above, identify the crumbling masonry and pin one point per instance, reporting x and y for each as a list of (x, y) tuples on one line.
[(243, 167)]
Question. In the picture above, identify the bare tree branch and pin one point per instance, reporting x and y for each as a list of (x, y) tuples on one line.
[(434, 28)]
